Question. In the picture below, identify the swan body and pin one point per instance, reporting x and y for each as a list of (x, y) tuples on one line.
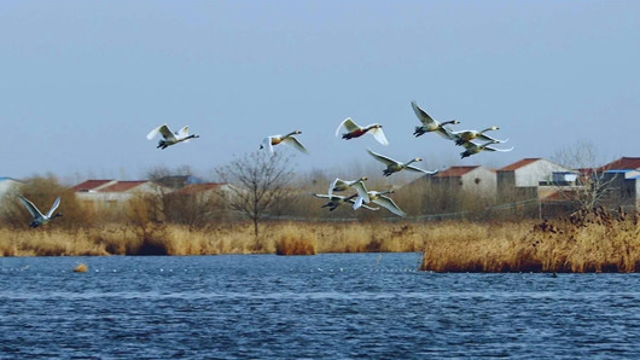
[(354, 130), (380, 198), (429, 124), (170, 138), (342, 185), (464, 136), (472, 148), (270, 141), (38, 217), (337, 200), (394, 166)]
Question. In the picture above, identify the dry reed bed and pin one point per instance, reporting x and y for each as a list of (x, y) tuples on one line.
[(589, 242), (594, 241), (286, 238)]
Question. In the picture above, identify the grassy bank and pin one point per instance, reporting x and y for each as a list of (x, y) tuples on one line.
[(588, 242)]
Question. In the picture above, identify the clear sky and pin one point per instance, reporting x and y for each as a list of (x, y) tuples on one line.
[(83, 82)]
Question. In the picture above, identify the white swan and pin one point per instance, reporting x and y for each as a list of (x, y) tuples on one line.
[(379, 198), (38, 217), (464, 136), (429, 124), (342, 185), (354, 130), (170, 138), (472, 148), (394, 166), (270, 141), (337, 200)]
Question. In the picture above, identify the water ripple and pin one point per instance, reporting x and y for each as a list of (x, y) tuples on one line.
[(320, 307)]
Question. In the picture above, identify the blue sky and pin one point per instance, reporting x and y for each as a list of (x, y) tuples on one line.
[(82, 83)]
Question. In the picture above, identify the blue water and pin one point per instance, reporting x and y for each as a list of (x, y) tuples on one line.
[(342, 306)]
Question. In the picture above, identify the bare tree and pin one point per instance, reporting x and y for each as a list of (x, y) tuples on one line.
[(195, 206), (257, 184), (592, 184)]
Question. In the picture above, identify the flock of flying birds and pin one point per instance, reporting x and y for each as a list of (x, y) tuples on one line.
[(362, 197), (368, 199)]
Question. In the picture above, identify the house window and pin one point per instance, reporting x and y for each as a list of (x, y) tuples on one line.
[(477, 181)]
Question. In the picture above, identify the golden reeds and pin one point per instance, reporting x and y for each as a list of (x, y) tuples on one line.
[(294, 242), (593, 241)]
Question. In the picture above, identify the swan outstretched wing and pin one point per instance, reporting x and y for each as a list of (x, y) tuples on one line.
[(153, 133), (447, 133), (422, 115), (383, 159), (163, 130), (334, 184), (329, 196), (361, 190), (266, 143), (489, 138), (54, 207), (183, 133), (417, 169), (359, 202), (348, 124), (489, 148), (33, 210), (369, 207), (295, 143), (389, 204), (378, 134), (166, 133)]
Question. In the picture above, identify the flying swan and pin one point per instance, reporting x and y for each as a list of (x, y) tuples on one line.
[(270, 141), (170, 138), (38, 217), (394, 166), (354, 130)]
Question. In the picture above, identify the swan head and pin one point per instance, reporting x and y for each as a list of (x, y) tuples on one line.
[(454, 122), (364, 178), (296, 132), (375, 126), (494, 128), (417, 159)]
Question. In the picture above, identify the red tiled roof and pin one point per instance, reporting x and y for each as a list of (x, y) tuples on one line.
[(518, 164), (624, 163), (456, 171), (122, 186), (89, 185)]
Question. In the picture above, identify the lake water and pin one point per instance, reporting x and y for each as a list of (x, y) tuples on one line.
[(342, 306)]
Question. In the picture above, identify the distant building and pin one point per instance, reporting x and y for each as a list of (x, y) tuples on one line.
[(621, 180), (532, 178), (624, 163), (112, 194), (475, 178)]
